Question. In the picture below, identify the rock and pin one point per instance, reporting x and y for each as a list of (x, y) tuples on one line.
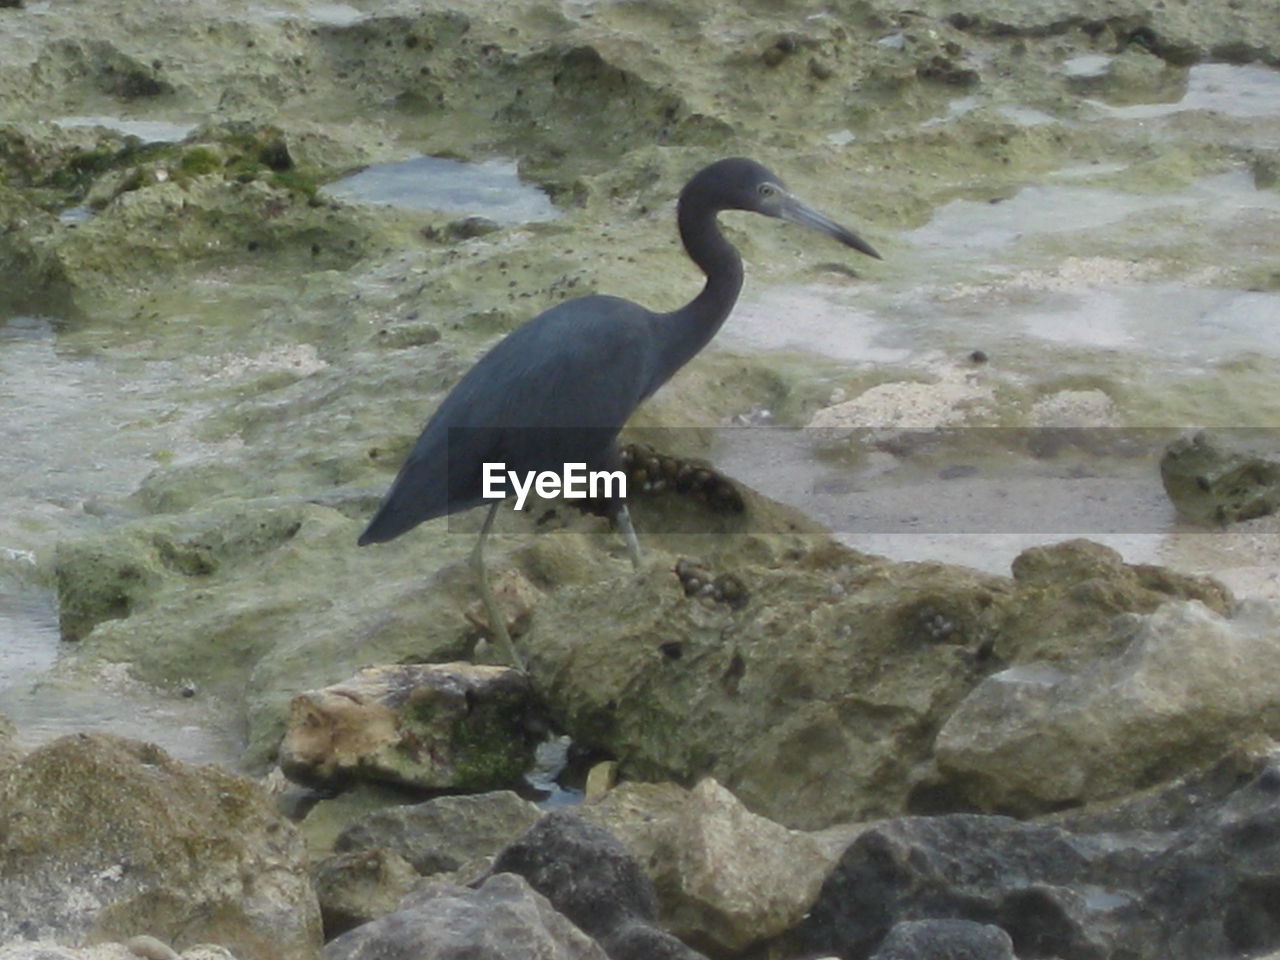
[(10, 752), (155, 593), (593, 880), (444, 834), (1221, 476), (818, 702), (505, 919), (725, 877), (149, 948), (1070, 593), (1196, 890), (945, 940), (140, 946), (516, 598), (1189, 684), (732, 878), (109, 838), (458, 726), (354, 888)]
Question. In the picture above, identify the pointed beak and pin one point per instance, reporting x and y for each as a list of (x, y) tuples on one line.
[(801, 213)]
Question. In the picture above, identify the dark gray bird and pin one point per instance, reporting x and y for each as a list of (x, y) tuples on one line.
[(559, 388)]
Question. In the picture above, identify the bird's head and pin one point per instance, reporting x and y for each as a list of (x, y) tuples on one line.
[(741, 184)]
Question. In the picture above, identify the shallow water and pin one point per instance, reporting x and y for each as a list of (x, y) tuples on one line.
[(45, 704), (150, 131), (490, 189), (1234, 91), (77, 431), (1021, 278)]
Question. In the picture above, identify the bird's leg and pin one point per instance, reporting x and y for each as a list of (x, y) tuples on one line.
[(622, 517), (497, 622)]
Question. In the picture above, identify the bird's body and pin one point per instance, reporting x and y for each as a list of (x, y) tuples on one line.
[(558, 389), (594, 389)]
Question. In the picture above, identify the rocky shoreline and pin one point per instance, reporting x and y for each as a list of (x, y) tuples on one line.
[(787, 748)]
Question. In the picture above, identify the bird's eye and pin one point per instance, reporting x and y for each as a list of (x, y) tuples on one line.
[(767, 191)]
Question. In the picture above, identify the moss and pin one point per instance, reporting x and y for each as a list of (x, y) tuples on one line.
[(199, 161), (299, 181), (245, 170)]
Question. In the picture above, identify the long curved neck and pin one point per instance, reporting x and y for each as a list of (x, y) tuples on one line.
[(682, 333)]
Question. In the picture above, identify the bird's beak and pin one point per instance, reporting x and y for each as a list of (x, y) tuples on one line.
[(801, 213)]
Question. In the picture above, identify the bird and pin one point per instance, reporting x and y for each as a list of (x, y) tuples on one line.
[(560, 387)]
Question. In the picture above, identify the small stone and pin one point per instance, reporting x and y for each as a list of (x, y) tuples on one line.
[(601, 779), (150, 948), (945, 940)]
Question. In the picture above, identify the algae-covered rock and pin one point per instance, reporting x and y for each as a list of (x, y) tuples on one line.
[(1188, 685), (104, 838), (1222, 476), (454, 726), (818, 700), (1069, 593), (248, 604)]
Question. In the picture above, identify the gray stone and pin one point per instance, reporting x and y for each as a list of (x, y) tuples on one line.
[(1114, 884), (443, 834), (590, 877), (505, 919), (945, 940)]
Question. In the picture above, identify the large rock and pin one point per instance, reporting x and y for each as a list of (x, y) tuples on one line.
[(1223, 476), (380, 856), (1189, 684), (945, 940), (137, 948), (457, 726), (725, 877), (816, 698), (444, 834), (1195, 881), (593, 880), (505, 919), (105, 838), (356, 887)]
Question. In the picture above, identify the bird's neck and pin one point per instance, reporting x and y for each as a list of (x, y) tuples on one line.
[(690, 328)]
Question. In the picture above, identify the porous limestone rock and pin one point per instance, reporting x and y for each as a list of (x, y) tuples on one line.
[(1223, 476), (104, 838), (458, 726), (1188, 685)]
